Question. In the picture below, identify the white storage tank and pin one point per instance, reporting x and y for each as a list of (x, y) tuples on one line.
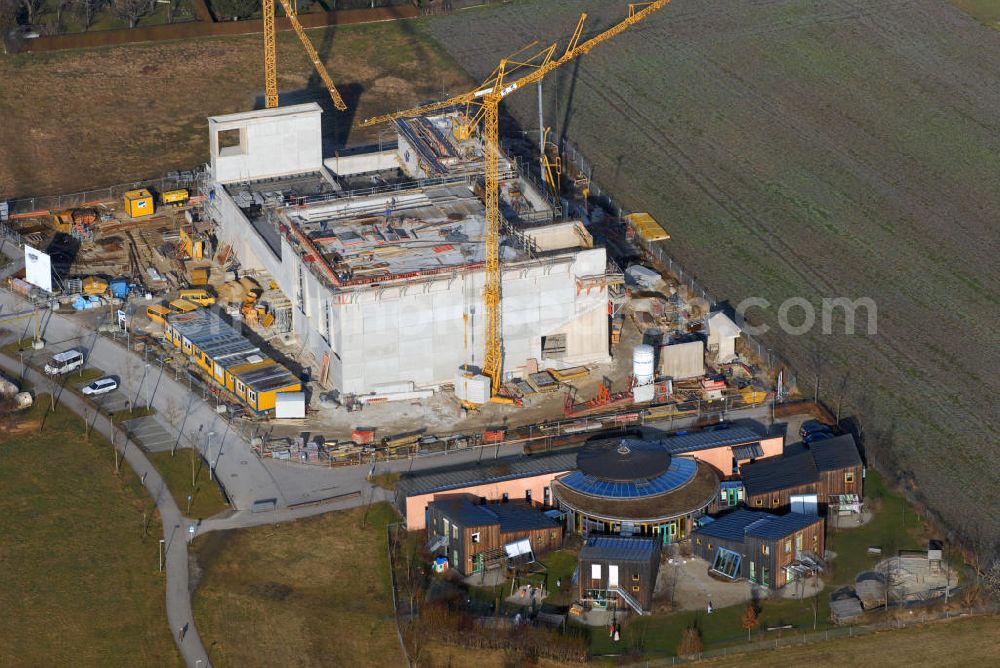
[(642, 364)]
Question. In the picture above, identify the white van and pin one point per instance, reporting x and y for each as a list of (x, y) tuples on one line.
[(71, 360)]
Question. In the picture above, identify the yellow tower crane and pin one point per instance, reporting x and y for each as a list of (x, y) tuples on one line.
[(271, 60), (483, 105)]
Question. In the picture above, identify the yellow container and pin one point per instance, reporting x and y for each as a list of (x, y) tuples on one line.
[(198, 296), (175, 197), (139, 203), (199, 276), (182, 306), (94, 286), (158, 313)]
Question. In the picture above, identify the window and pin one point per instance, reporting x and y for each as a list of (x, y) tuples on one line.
[(815, 537), (849, 477), (475, 537), (727, 563), (506, 497), (765, 549), (527, 495), (595, 571), (230, 142), (546, 496), (635, 588), (788, 547), (710, 546), (251, 396), (774, 502), (635, 577), (697, 541), (454, 532), (760, 502)]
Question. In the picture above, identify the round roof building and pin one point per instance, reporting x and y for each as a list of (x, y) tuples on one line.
[(635, 487)]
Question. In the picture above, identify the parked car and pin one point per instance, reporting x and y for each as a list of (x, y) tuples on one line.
[(101, 386), (817, 436), (813, 426)]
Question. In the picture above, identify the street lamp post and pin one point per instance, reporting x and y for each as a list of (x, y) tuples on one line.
[(208, 455), (161, 554)]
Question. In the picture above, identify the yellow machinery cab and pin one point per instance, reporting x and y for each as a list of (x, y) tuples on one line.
[(158, 313), (198, 296), (177, 197), (139, 203), (182, 306)]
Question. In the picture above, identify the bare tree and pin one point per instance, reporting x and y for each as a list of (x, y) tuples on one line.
[(88, 9), (61, 6), (8, 15), (173, 412), (32, 8), (130, 10)]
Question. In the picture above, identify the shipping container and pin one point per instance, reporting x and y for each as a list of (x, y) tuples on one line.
[(138, 203)]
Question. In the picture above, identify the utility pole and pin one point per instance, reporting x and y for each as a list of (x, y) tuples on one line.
[(208, 456)]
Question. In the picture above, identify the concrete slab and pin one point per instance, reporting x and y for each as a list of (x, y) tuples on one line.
[(153, 436)]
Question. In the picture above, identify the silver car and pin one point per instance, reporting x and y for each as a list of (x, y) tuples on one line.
[(101, 386)]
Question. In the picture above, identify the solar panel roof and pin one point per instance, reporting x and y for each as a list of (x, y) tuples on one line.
[(679, 473), (705, 440)]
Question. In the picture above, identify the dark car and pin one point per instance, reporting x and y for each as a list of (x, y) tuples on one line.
[(813, 426), (817, 436)]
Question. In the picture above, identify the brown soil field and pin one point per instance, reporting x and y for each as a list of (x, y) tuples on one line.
[(84, 119), (815, 149)]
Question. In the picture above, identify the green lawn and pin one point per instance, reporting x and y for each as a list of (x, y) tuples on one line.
[(177, 469), (80, 579), (987, 11), (660, 634), (896, 526)]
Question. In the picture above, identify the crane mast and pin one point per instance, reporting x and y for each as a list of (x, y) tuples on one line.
[(482, 105), (271, 60)]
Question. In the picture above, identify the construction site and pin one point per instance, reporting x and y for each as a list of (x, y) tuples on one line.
[(450, 281)]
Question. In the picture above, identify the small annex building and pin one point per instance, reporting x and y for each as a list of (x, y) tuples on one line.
[(617, 571), (830, 469), (769, 550), (477, 536)]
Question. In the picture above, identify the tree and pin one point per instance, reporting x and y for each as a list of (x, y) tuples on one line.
[(991, 580), (8, 15), (88, 9), (130, 10), (31, 9), (750, 619), (61, 6), (690, 642), (173, 412), (240, 9)]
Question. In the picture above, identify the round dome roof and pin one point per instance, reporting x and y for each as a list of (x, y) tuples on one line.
[(628, 461)]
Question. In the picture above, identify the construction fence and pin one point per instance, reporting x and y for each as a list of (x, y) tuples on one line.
[(665, 262), (33, 206)]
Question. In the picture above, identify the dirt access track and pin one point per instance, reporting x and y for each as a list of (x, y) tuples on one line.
[(814, 149)]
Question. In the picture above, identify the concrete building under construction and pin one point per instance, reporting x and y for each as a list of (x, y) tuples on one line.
[(381, 251)]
